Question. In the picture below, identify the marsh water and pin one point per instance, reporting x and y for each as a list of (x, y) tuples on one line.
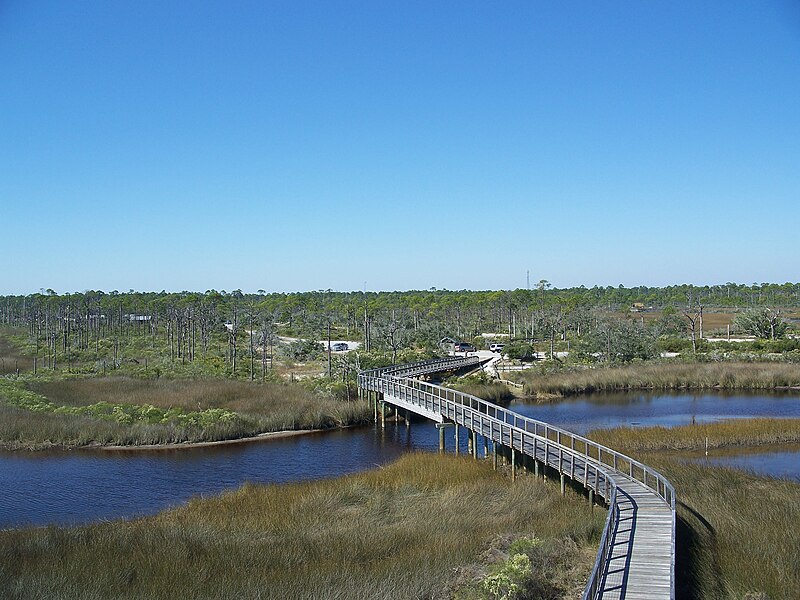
[(82, 486)]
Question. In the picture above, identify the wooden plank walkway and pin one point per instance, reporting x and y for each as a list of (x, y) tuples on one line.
[(636, 556)]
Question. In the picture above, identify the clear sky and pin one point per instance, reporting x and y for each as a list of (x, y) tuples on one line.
[(291, 145)]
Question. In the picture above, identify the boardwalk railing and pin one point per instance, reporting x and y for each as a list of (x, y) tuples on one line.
[(589, 463)]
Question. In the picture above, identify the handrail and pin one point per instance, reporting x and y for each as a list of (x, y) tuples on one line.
[(522, 433)]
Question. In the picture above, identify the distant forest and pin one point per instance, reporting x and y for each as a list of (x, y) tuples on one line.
[(189, 318)]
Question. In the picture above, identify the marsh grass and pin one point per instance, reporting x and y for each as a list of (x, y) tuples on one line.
[(423, 527), (666, 376), (496, 393), (731, 433), (116, 411)]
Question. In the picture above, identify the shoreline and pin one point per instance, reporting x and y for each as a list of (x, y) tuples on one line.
[(261, 437), (268, 435)]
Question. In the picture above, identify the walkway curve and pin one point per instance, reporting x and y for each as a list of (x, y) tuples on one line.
[(636, 558)]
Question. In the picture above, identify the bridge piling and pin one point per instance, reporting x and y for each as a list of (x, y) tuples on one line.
[(513, 465), (456, 436)]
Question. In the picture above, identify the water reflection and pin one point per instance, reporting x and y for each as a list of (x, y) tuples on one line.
[(81, 486), (601, 411), (781, 463)]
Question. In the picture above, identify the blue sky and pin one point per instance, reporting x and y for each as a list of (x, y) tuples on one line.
[(296, 145)]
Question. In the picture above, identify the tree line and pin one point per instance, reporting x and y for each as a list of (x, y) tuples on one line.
[(187, 322)]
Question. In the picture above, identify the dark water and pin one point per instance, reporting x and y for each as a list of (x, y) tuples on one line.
[(601, 411), (783, 464), (75, 487), (81, 486)]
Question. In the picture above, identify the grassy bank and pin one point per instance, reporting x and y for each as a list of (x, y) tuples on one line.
[(125, 411), (496, 393), (725, 434), (426, 526), (665, 376)]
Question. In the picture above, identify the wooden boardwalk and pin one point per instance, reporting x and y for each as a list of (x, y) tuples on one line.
[(637, 549)]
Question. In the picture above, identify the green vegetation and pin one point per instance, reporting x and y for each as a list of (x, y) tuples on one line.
[(37, 413), (725, 434), (426, 526), (664, 376)]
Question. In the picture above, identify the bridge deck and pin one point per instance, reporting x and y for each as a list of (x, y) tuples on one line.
[(636, 558), (639, 565)]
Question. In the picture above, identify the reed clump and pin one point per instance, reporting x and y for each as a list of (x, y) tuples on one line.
[(666, 376), (497, 393), (723, 434), (426, 526)]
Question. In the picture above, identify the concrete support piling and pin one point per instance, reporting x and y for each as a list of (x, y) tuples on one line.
[(563, 484), (456, 436), (441, 440), (485, 448)]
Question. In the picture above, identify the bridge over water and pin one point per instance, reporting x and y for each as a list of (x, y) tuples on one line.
[(636, 558)]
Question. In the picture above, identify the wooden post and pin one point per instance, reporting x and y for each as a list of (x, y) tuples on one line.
[(382, 411), (485, 447), (470, 443), (456, 436), (494, 456), (513, 464), (536, 468), (408, 419), (591, 498), (441, 440)]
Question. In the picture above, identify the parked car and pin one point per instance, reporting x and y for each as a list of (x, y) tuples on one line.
[(497, 348), (463, 347), (339, 347)]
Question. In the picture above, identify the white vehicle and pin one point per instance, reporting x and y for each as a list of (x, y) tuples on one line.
[(497, 348)]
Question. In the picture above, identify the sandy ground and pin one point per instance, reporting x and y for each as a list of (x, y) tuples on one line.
[(187, 445)]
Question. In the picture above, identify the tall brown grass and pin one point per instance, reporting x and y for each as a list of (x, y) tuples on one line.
[(666, 376), (423, 527)]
